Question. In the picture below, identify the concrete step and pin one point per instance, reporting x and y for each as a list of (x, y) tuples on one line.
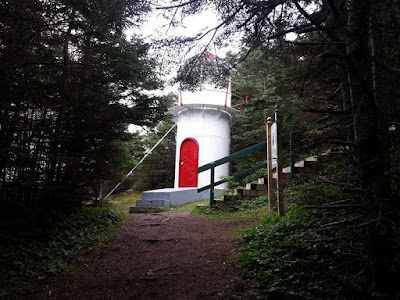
[(168, 196)]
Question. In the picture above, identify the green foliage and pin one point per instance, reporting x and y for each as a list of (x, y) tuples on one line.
[(29, 257), (123, 201), (244, 208), (270, 81), (334, 182), (262, 173), (204, 67), (70, 85), (157, 171), (292, 256)]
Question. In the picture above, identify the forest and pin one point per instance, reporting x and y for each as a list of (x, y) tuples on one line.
[(71, 83)]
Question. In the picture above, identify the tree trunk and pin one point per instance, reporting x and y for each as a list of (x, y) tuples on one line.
[(370, 132)]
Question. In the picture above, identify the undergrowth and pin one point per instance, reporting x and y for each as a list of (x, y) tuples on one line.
[(235, 209), (28, 257), (124, 200), (302, 255), (315, 252)]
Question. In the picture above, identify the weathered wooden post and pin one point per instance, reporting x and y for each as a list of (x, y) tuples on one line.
[(270, 178), (279, 179), (292, 168)]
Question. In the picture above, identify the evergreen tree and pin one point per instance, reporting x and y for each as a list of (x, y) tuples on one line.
[(351, 45), (70, 85)]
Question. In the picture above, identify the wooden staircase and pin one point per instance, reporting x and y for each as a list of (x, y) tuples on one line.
[(309, 166)]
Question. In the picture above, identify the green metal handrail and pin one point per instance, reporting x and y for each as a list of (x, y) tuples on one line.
[(211, 166)]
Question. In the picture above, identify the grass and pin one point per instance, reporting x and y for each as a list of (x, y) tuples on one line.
[(123, 201), (246, 209), (190, 207), (235, 210)]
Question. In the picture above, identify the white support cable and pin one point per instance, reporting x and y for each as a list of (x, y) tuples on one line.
[(138, 164)]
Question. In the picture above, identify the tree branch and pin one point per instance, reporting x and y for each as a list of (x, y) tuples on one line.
[(312, 20), (178, 5), (342, 143), (332, 206), (268, 4), (322, 111)]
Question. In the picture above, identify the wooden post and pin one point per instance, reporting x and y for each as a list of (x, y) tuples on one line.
[(279, 179), (270, 178), (292, 168)]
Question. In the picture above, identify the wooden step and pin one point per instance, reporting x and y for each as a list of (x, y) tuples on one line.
[(230, 198), (256, 187), (262, 183), (285, 176), (254, 193), (250, 193), (251, 186), (249, 198), (219, 201), (262, 180), (239, 192), (262, 187), (310, 165), (330, 156)]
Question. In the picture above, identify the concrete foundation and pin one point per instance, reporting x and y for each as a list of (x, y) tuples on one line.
[(169, 196)]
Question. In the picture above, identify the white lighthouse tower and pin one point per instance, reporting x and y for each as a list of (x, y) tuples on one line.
[(203, 119)]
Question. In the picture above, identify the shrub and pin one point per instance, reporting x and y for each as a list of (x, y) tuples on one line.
[(31, 256)]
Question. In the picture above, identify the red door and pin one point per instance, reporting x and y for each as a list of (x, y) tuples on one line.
[(188, 163)]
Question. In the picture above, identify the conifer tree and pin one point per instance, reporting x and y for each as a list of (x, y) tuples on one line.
[(70, 85)]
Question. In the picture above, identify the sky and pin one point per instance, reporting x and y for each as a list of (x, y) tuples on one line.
[(157, 26)]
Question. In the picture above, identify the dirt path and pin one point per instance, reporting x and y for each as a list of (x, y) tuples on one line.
[(156, 256)]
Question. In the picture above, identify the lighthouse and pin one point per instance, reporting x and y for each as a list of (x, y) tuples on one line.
[(203, 117)]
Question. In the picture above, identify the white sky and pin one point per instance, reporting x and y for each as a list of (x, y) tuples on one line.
[(156, 27)]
